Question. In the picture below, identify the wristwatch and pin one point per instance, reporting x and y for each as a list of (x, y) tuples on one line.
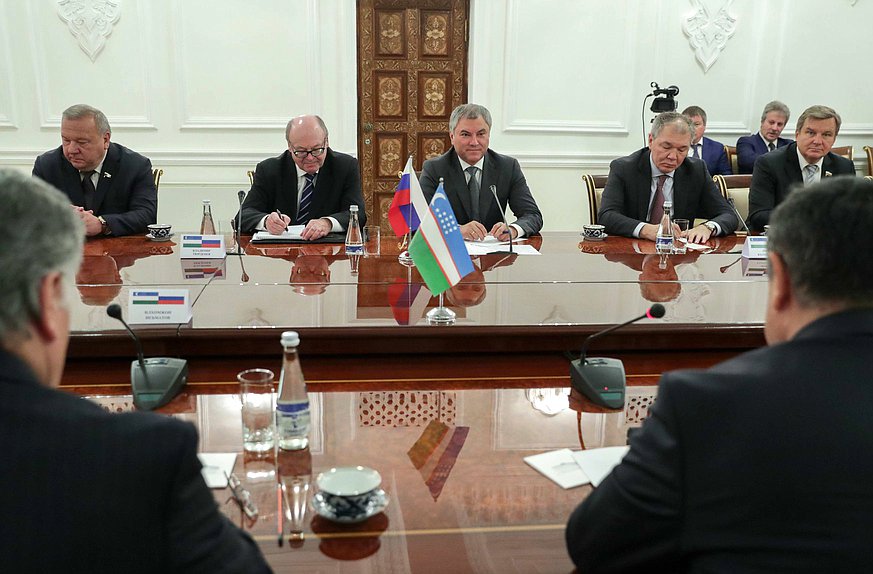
[(105, 230), (712, 227)]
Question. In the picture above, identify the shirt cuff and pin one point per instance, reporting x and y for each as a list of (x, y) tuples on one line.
[(519, 232), (717, 228), (262, 225), (335, 226), (639, 228)]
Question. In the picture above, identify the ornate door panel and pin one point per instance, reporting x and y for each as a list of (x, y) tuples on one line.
[(412, 71)]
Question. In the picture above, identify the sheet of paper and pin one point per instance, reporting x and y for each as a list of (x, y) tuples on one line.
[(475, 248), (597, 463), (559, 466), (293, 232), (215, 465)]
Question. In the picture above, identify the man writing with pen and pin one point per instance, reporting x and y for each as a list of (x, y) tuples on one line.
[(309, 184)]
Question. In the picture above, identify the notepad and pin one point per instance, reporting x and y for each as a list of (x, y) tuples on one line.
[(559, 466), (217, 466), (293, 232)]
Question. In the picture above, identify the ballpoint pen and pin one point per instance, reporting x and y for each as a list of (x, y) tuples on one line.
[(279, 213)]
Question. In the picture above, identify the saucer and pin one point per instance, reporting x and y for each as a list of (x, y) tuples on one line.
[(601, 238), (376, 503), (167, 238)]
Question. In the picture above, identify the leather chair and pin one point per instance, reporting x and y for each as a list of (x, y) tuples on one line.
[(594, 185), (846, 151), (157, 173), (731, 152), (735, 188), (869, 151)]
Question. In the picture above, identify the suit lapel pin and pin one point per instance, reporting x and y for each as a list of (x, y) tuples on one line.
[(828, 174), (107, 175)]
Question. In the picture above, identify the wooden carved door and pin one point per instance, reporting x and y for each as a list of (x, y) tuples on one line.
[(412, 71)]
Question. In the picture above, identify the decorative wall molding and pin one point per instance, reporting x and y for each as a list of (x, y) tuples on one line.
[(90, 22), (311, 63), (7, 120), (708, 30)]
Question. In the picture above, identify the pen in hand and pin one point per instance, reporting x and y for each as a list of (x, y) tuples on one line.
[(279, 213)]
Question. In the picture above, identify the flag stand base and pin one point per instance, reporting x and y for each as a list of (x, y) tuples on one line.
[(405, 259), (441, 315)]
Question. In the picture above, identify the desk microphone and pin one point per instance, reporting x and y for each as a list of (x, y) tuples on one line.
[(502, 215), (241, 195), (154, 381), (601, 380), (740, 217)]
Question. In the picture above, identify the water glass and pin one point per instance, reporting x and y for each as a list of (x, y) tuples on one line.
[(679, 246), (258, 407), (373, 240)]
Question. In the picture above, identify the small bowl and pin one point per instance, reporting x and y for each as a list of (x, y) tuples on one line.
[(594, 232), (160, 230), (348, 487)]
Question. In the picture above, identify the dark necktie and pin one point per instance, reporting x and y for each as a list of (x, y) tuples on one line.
[(771, 146), (88, 189), (658, 201), (698, 151), (306, 199), (473, 186)]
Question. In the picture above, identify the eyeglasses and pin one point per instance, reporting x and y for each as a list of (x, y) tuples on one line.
[(302, 153)]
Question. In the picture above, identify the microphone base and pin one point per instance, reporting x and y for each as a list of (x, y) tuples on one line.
[(600, 380), (167, 377)]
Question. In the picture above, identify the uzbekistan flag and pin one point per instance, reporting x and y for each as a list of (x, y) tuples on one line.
[(408, 203), (155, 298), (408, 301), (438, 249), (199, 241)]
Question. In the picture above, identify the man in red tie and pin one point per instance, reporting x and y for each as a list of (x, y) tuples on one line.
[(639, 184)]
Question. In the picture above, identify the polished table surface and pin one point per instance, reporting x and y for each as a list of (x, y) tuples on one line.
[(462, 502), (516, 315)]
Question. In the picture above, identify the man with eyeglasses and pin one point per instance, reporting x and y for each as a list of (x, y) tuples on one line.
[(309, 184)]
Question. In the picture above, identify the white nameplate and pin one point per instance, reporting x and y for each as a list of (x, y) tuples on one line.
[(193, 269), (202, 246), (158, 306), (755, 247), (754, 267)]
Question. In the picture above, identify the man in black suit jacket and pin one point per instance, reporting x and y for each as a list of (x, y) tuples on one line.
[(112, 187), (309, 184), (760, 464), (749, 148), (470, 130), (800, 163), (83, 490), (630, 198)]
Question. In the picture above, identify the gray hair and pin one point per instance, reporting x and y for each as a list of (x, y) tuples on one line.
[(39, 234), (290, 125), (469, 112), (683, 123), (692, 111), (819, 113), (775, 106), (79, 111), (810, 231)]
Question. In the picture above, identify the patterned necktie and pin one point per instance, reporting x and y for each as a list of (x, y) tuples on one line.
[(771, 146), (473, 186), (305, 199), (658, 201), (809, 173), (698, 151), (88, 189)]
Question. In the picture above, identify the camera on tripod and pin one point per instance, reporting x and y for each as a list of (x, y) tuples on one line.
[(664, 102)]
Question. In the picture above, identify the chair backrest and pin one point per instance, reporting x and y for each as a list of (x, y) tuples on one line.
[(251, 175), (869, 151), (736, 188), (594, 185), (846, 151), (870, 177), (731, 152), (156, 174)]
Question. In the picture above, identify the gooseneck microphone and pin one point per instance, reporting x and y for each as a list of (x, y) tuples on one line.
[(154, 382), (503, 216), (602, 380), (240, 195), (740, 217)]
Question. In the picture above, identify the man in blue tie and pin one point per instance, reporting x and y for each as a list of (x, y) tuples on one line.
[(710, 151), (309, 184)]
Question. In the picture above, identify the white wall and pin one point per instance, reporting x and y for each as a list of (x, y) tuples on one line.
[(204, 87)]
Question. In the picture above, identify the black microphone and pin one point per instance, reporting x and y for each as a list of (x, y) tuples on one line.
[(167, 377), (601, 380), (502, 215), (240, 195), (740, 217)]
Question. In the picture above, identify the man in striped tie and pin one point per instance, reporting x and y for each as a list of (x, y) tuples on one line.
[(309, 184), (803, 162)]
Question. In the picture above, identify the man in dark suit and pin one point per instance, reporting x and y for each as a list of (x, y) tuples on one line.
[(760, 464), (84, 490), (309, 184), (749, 148), (470, 170), (639, 184), (710, 151), (801, 163), (112, 187)]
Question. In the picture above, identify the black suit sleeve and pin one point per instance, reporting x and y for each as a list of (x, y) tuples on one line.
[(521, 202), (723, 166), (142, 201), (619, 197), (762, 193), (199, 537), (631, 522), (348, 186), (262, 197), (428, 180), (746, 154)]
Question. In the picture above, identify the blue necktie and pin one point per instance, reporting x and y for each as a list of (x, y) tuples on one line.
[(306, 199)]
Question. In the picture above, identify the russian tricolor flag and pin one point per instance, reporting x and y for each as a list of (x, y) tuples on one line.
[(408, 203), (155, 298), (199, 241)]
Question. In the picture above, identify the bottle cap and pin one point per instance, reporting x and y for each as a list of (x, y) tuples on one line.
[(206, 202), (353, 207), (290, 339)]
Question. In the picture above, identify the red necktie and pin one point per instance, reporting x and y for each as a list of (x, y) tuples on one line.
[(658, 202)]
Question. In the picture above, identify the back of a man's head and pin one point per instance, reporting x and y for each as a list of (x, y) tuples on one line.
[(39, 234), (823, 235)]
